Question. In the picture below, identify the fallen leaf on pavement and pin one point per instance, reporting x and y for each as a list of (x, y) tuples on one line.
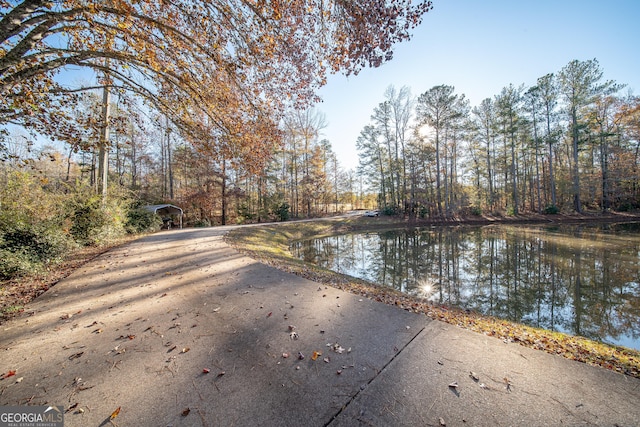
[(115, 413), (185, 412), (315, 355), (9, 374), (336, 347)]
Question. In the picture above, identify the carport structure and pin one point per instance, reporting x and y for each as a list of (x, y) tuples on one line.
[(167, 212)]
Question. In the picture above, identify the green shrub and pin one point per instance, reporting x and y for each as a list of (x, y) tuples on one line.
[(94, 221), (244, 213), (40, 245), (15, 264), (88, 219), (24, 200), (388, 210), (202, 223), (282, 211), (551, 210), (475, 210), (626, 206), (29, 248), (140, 220)]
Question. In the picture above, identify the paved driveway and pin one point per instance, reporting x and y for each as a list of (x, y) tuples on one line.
[(179, 329)]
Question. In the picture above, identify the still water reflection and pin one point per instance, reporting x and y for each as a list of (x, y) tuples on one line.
[(579, 280)]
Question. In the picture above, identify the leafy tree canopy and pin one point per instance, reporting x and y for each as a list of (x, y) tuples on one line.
[(220, 69)]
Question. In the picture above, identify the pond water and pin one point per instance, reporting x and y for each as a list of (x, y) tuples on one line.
[(581, 280)]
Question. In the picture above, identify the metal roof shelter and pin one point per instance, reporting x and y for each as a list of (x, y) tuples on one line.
[(167, 212)]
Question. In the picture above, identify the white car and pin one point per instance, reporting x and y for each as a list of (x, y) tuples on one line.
[(372, 213)]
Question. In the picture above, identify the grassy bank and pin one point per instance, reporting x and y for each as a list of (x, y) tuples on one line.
[(270, 245)]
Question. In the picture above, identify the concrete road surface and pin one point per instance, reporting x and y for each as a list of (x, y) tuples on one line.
[(178, 329)]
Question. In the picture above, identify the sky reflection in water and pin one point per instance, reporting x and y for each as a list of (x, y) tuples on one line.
[(582, 280)]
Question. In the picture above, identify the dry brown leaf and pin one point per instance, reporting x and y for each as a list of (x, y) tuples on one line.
[(115, 413)]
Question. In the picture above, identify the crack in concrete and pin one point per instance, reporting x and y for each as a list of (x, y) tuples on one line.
[(362, 388)]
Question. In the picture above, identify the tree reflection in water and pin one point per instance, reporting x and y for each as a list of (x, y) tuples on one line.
[(579, 280)]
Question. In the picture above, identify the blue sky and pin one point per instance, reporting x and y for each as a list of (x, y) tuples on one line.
[(479, 47)]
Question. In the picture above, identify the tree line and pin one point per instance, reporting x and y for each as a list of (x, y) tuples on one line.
[(149, 158), (569, 142)]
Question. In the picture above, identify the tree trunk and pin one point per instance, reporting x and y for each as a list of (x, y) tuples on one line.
[(438, 190), (103, 156), (576, 178), (224, 193)]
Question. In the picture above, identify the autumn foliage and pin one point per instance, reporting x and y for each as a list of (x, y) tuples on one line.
[(222, 70)]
